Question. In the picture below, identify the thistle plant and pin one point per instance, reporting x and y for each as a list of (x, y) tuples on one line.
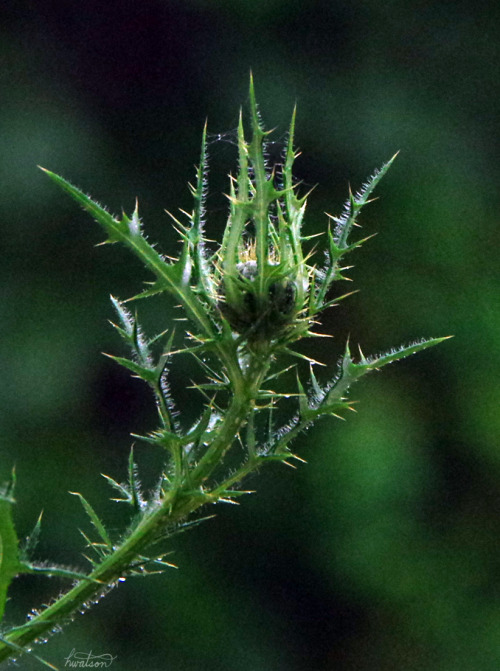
[(248, 303)]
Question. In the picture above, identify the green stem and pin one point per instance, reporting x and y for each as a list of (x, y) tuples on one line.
[(174, 508), (242, 404), (234, 420)]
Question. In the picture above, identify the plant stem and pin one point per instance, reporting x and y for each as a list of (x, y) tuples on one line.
[(174, 507)]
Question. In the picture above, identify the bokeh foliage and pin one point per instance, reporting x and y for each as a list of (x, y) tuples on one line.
[(381, 552)]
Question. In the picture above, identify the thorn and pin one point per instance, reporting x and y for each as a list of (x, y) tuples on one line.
[(320, 335), (174, 218), (302, 461)]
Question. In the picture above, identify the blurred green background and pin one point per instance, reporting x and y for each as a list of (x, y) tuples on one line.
[(381, 552)]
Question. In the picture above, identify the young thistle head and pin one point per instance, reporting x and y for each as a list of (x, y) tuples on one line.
[(263, 279), (265, 302), (259, 284)]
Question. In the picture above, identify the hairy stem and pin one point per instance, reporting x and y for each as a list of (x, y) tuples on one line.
[(175, 507)]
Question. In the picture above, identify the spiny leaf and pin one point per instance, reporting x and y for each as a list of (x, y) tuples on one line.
[(31, 541), (10, 565), (175, 276), (122, 489), (195, 233), (361, 197), (125, 316), (57, 572), (375, 362), (18, 649), (314, 383), (160, 366), (143, 564), (353, 206), (159, 336), (97, 547), (116, 230), (99, 526), (166, 438), (7, 489), (135, 485), (303, 404), (157, 287), (351, 371), (147, 374)]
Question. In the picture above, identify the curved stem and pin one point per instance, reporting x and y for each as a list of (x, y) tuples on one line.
[(176, 505), (242, 404)]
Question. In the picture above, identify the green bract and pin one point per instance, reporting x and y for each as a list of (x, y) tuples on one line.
[(247, 302)]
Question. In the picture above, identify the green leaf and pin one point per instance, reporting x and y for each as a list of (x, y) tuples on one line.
[(56, 572), (99, 526), (147, 374), (195, 234), (351, 371), (376, 362), (314, 384), (10, 564), (355, 203), (26, 549), (304, 408), (126, 319), (135, 486), (18, 649), (128, 232), (98, 548), (122, 489), (116, 230)]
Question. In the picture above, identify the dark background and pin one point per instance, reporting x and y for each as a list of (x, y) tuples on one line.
[(381, 552)]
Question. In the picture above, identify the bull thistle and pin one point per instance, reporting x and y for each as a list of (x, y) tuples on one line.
[(248, 302)]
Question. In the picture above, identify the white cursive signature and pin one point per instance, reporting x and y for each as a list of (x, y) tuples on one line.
[(86, 660)]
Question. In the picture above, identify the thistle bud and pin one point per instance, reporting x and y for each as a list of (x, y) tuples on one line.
[(262, 310), (263, 279)]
